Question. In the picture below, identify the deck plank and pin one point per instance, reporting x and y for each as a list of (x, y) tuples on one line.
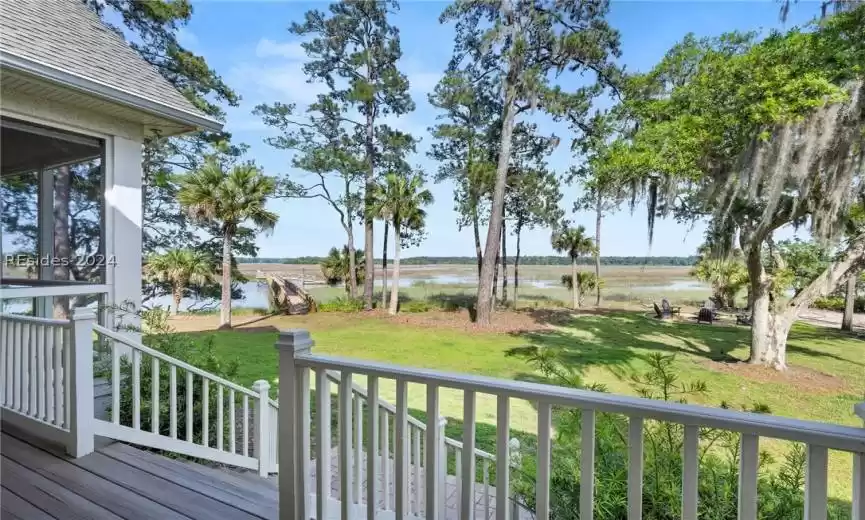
[(261, 501), (107, 494), (15, 507), (55, 499), (180, 499)]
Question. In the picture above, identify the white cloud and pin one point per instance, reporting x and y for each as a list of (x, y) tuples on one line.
[(267, 48), (285, 82), (187, 38)]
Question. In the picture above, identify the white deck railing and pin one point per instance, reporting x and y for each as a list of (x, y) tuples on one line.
[(208, 417), (297, 363)]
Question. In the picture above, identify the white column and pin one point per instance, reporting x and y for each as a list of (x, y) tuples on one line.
[(123, 215), (262, 427), (45, 249), (79, 383), (294, 466)]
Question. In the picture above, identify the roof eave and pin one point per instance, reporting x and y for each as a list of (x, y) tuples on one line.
[(45, 72)]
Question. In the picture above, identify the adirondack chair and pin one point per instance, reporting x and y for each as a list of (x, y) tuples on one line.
[(705, 314), (668, 309), (658, 313)]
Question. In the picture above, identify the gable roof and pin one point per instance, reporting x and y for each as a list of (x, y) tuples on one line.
[(65, 42)]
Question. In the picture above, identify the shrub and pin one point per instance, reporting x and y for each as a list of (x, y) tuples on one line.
[(780, 491), (416, 306), (341, 305), (836, 303)]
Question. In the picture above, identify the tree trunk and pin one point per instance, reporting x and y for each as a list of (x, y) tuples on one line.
[(599, 215), (352, 267), (575, 286), (62, 242), (517, 266), (849, 303), (477, 234), (369, 258), (225, 310), (177, 293), (496, 278), (384, 268), (394, 290), (504, 263), (491, 248)]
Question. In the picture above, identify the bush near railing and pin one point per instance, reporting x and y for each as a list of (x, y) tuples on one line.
[(341, 304), (779, 485)]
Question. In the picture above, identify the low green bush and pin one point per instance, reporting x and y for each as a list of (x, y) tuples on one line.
[(779, 485), (836, 303), (341, 304), (416, 306)]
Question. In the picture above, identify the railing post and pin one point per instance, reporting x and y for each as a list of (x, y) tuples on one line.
[(859, 474), (293, 426), (78, 379), (262, 426)]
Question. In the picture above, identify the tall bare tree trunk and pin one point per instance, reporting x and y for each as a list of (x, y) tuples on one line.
[(599, 215), (225, 308), (62, 241), (369, 257), (575, 286), (517, 265), (477, 235), (394, 290), (491, 248), (504, 263), (352, 267), (384, 267), (177, 293), (849, 303)]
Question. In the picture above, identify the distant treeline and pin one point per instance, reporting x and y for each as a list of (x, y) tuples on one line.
[(525, 260)]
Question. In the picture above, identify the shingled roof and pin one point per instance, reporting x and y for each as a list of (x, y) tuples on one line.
[(65, 42)]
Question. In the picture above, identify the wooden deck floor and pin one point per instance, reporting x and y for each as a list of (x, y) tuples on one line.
[(119, 481)]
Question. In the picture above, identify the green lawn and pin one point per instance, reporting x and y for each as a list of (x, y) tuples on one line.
[(828, 368)]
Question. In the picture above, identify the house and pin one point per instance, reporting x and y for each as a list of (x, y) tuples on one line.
[(75, 100)]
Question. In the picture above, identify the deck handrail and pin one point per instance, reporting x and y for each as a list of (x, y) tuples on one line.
[(844, 438), (120, 338), (34, 319)]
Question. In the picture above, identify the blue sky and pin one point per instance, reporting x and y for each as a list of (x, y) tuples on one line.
[(249, 45)]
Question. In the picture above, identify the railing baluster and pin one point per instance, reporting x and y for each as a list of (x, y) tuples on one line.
[(172, 401), (467, 505), (32, 349), (690, 472), (154, 395), (5, 349), (15, 345), (372, 411), (815, 483), (587, 465), (384, 432), (503, 457), (748, 461), (859, 486), (245, 425), (51, 376), (40, 371), (486, 471), (220, 422), (322, 442), (136, 389), (205, 412), (22, 369), (358, 448), (345, 444), (458, 474), (190, 406), (115, 382), (417, 468), (635, 468), (232, 420), (303, 442), (401, 450), (433, 494), (67, 369), (545, 414)]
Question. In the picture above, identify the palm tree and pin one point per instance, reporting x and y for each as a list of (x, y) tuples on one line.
[(228, 198), (586, 281), (726, 275), (381, 210), (336, 267), (403, 198), (180, 268), (575, 243)]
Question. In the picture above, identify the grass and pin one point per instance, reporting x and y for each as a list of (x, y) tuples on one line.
[(825, 381)]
